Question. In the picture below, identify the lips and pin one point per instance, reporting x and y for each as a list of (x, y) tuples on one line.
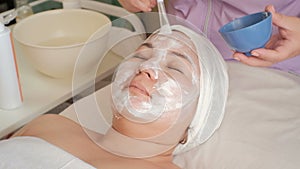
[(139, 89)]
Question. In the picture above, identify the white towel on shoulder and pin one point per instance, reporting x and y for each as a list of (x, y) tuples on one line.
[(35, 153)]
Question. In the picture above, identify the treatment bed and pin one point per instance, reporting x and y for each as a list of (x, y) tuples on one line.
[(260, 129)]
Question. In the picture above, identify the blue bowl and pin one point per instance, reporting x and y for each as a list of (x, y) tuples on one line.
[(249, 32)]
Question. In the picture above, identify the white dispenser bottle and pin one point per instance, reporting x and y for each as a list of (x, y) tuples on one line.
[(10, 88)]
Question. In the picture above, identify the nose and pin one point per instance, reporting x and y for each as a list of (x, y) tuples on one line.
[(149, 73)]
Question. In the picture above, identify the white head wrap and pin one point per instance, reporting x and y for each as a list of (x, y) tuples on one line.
[(213, 91)]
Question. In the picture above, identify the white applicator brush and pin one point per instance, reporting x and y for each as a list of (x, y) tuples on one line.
[(164, 22)]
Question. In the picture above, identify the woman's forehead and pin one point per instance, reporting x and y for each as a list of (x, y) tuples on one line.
[(171, 40)]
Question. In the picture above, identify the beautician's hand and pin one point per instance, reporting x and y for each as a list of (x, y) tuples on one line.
[(281, 46), (138, 5)]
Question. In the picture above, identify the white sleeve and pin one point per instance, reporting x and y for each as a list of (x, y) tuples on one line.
[(35, 153)]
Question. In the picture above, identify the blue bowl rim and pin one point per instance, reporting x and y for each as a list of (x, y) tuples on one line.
[(269, 15)]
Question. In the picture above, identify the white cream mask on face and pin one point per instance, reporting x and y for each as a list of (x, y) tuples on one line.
[(171, 73)]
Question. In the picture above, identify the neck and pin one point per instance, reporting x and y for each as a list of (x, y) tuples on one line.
[(161, 158), (164, 160), (125, 146)]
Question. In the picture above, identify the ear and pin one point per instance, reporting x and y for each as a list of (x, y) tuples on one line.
[(184, 138)]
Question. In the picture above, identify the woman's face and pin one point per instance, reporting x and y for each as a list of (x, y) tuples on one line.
[(156, 85)]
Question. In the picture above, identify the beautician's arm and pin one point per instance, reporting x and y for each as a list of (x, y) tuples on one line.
[(282, 46), (138, 5)]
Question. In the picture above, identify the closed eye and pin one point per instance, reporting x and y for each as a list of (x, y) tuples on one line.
[(139, 57), (176, 69)]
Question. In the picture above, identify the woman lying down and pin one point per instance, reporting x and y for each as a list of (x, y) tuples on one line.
[(167, 98)]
